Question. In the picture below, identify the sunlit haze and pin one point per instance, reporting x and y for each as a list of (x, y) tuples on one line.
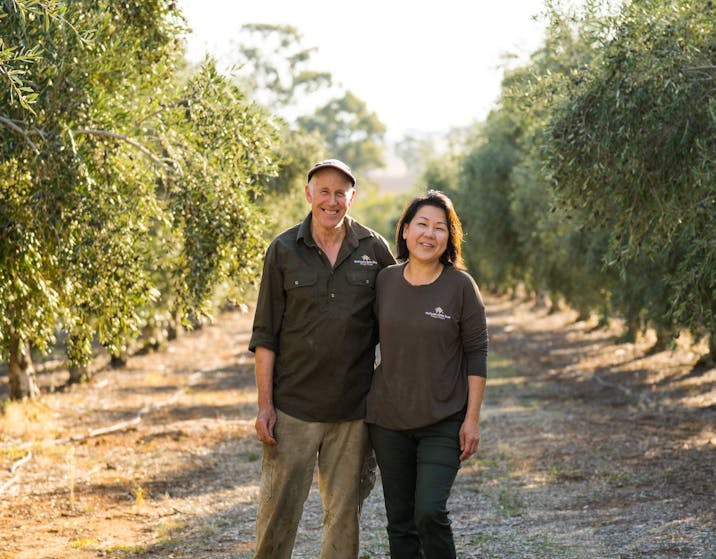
[(421, 66)]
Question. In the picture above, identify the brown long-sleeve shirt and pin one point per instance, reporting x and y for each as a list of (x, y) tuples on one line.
[(431, 338)]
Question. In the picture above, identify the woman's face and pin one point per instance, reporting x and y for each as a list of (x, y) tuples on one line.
[(426, 235)]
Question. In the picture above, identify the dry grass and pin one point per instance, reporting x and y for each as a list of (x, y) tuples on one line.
[(590, 449)]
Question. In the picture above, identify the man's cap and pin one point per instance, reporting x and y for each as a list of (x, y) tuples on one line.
[(336, 164)]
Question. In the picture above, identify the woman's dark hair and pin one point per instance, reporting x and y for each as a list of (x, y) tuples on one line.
[(453, 253)]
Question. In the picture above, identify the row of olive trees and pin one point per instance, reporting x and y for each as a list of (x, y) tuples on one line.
[(140, 189), (128, 184), (594, 180)]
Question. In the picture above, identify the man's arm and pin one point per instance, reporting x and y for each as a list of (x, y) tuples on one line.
[(266, 418)]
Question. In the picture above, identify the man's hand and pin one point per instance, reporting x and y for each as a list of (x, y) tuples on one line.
[(265, 421), (266, 418)]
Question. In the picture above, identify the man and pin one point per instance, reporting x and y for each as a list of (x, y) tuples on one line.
[(314, 336)]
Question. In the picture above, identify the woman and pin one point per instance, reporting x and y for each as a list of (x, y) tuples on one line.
[(424, 402)]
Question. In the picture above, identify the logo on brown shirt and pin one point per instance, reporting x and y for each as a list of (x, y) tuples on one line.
[(438, 313)]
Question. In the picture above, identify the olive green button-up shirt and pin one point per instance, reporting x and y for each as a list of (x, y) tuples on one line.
[(319, 321)]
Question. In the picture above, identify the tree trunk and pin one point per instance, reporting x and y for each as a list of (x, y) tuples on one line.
[(603, 321), (630, 333), (21, 372), (78, 374), (119, 360), (662, 341), (554, 306), (152, 337), (78, 347), (582, 315), (708, 360), (540, 299), (175, 328)]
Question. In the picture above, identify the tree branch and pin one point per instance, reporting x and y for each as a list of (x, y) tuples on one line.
[(146, 151), (121, 426), (15, 466), (21, 131), (642, 397), (21, 461)]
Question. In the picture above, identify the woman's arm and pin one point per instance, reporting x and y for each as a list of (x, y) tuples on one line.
[(470, 430)]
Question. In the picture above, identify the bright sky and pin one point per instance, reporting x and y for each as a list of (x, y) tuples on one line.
[(421, 66)]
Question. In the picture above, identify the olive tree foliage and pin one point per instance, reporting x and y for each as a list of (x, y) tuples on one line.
[(492, 249), (633, 144), (517, 232), (555, 249), (114, 176), (16, 56), (562, 258), (19, 249), (223, 147), (56, 230)]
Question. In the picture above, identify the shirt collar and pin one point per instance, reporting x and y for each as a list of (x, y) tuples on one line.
[(354, 232)]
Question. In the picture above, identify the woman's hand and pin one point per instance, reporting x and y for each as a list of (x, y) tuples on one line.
[(469, 438), (470, 429)]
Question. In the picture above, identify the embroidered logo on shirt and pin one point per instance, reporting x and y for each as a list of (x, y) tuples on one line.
[(366, 260), (438, 313)]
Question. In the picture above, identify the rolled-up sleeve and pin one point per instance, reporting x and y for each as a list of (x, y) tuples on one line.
[(270, 304)]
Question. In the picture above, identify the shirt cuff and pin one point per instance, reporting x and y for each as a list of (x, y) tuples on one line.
[(477, 363), (259, 339)]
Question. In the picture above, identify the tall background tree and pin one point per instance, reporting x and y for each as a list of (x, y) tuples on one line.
[(109, 160), (315, 118), (592, 181), (634, 143)]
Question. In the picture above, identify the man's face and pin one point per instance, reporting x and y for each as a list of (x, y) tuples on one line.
[(330, 194)]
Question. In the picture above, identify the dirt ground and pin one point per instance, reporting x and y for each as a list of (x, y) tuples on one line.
[(590, 449)]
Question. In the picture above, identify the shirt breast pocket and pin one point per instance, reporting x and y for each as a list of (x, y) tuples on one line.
[(361, 278), (300, 285)]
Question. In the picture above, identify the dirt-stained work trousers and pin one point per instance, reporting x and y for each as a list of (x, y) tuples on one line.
[(286, 478)]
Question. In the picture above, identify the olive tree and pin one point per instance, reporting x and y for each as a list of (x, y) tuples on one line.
[(634, 144), (113, 171), (88, 71)]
